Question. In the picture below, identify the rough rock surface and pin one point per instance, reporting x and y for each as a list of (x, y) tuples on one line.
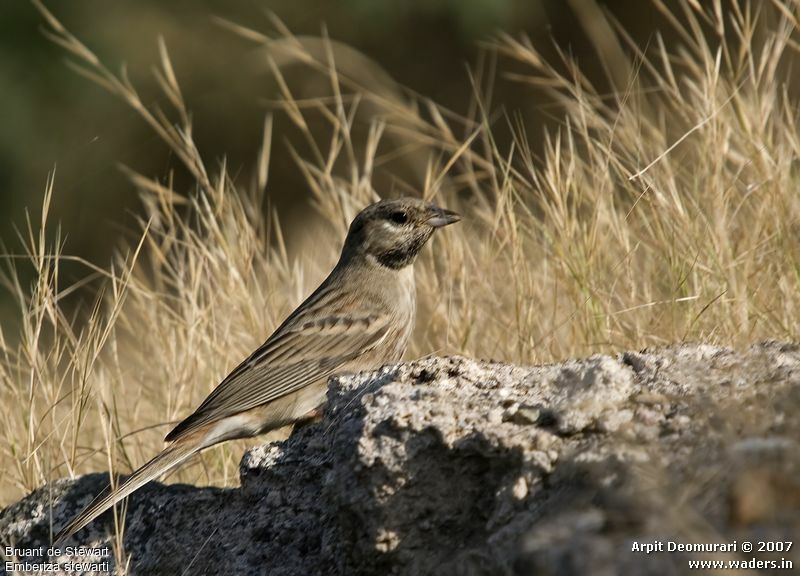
[(453, 466)]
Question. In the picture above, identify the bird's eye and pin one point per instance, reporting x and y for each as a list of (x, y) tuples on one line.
[(399, 217)]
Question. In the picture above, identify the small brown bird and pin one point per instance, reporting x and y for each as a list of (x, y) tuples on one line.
[(359, 318)]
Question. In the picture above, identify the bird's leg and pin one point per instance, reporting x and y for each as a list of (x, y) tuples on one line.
[(311, 417)]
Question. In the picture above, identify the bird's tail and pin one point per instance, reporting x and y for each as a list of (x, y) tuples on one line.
[(166, 460)]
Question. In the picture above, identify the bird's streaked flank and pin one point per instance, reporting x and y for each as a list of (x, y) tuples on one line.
[(360, 317)]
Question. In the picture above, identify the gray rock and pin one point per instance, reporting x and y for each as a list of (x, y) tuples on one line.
[(453, 466)]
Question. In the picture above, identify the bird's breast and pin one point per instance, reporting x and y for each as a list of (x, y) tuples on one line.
[(405, 312)]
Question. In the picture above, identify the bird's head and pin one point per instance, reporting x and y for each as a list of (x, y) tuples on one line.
[(392, 232)]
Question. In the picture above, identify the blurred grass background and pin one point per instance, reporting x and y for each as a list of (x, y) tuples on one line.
[(53, 117)]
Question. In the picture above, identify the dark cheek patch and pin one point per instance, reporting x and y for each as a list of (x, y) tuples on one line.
[(404, 254)]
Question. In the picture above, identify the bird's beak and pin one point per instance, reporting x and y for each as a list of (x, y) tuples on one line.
[(441, 217)]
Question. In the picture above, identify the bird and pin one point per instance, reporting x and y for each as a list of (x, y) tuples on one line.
[(359, 318)]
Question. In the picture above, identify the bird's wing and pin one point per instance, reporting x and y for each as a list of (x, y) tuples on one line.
[(310, 347)]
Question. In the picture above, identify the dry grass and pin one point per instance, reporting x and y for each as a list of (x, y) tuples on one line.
[(665, 211)]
